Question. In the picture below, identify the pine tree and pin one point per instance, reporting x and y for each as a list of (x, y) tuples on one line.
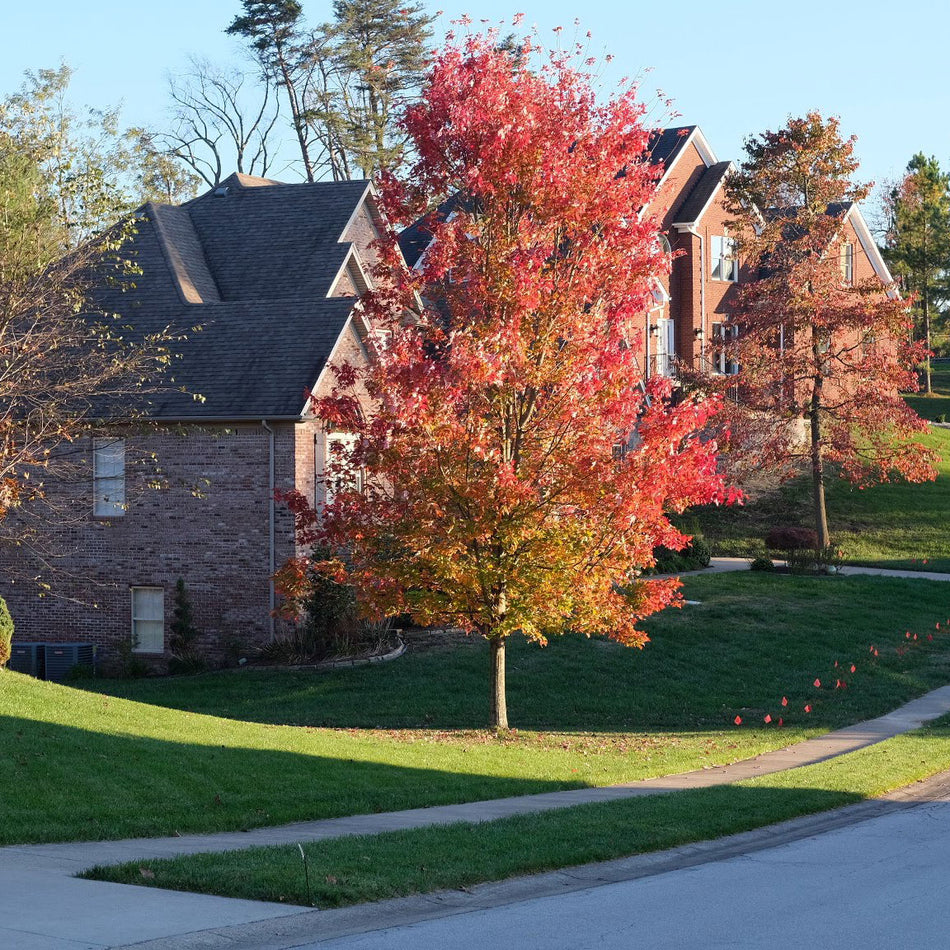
[(382, 47), (918, 241)]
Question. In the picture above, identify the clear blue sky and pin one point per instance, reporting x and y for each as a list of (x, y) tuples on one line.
[(729, 66)]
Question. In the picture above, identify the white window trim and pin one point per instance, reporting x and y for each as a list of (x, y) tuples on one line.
[(348, 440), (846, 258), (727, 252), (108, 486), (139, 645), (724, 334)]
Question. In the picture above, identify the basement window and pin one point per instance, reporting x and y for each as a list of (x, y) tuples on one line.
[(148, 619), (108, 478)]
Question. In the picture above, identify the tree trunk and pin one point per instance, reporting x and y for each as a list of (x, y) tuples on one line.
[(818, 479), (928, 370), (499, 704)]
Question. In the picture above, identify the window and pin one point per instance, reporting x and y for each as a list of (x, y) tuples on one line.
[(665, 347), (725, 264), (847, 262), (148, 619), (723, 335), (108, 478), (340, 473)]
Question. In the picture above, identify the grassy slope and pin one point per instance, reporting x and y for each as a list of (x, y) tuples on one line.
[(891, 525), (79, 764), (938, 403), (364, 868)]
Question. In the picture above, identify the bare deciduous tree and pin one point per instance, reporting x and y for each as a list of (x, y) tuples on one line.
[(222, 121)]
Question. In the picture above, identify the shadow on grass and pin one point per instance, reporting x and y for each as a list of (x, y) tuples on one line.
[(62, 783)]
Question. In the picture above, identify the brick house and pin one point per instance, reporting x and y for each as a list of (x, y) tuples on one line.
[(695, 304), (270, 275)]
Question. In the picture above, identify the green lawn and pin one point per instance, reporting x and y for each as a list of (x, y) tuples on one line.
[(365, 868), (235, 750), (896, 524), (938, 403)]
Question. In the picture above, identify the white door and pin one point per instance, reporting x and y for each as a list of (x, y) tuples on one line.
[(665, 347)]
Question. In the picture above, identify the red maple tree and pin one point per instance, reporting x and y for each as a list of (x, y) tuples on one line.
[(519, 469), (824, 356)]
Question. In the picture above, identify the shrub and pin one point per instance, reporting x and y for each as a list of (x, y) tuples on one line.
[(941, 417), (127, 664), (328, 625), (6, 633), (761, 563), (821, 561), (791, 538), (693, 557), (183, 635)]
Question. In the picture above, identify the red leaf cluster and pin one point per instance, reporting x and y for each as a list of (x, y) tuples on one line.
[(520, 470)]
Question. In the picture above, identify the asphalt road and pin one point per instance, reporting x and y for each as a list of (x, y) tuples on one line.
[(880, 883)]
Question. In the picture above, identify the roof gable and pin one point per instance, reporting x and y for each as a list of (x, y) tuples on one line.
[(702, 195), (240, 276), (266, 241)]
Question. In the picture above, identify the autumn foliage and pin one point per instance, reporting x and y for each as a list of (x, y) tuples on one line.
[(819, 349), (519, 470)]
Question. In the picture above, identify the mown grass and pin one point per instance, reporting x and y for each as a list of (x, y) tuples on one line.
[(938, 402), (895, 524), (355, 869), (751, 639), (231, 751)]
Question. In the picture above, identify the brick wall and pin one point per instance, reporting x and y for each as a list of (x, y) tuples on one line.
[(197, 508)]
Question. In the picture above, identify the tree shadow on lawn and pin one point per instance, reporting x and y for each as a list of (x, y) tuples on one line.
[(63, 783)]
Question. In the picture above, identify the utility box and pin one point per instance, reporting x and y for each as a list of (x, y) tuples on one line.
[(28, 658), (60, 658)]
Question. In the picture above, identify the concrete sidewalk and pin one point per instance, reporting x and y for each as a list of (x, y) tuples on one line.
[(44, 907), (728, 565)]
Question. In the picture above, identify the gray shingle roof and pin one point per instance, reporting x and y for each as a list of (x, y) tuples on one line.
[(242, 278), (417, 237), (698, 198), (663, 147), (665, 144)]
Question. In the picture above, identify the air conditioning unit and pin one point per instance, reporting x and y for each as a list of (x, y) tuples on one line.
[(28, 658), (62, 657)]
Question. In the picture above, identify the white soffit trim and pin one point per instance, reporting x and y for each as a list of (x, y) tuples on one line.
[(703, 147), (871, 249), (661, 295), (351, 255), (347, 328), (367, 191)]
